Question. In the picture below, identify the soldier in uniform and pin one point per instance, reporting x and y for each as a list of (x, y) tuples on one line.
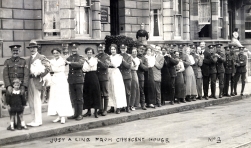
[(15, 67), (220, 68), (232, 53), (240, 70), (76, 80), (212, 71), (102, 72), (229, 71), (143, 66), (125, 69)]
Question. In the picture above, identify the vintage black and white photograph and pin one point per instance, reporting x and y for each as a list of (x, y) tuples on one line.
[(125, 73)]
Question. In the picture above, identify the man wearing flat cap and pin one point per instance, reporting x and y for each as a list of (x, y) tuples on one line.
[(35, 83), (241, 70), (15, 67), (229, 65), (220, 68), (76, 81), (102, 72), (125, 69)]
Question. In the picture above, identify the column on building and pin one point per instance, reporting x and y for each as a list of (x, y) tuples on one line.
[(215, 18), (186, 22), (96, 19), (66, 14), (194, 17), (225, 19), (168, 19), (106, 27)]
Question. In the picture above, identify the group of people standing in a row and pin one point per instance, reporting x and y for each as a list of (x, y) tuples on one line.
[(148, 77)]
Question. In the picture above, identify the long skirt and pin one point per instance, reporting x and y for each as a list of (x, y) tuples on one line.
[(191, 88), (135, 96), (150, 87), (179, 86), (59, 101), (117, 95), (91, 93)]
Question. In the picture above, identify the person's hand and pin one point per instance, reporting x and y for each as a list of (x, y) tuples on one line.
[(22, 90), (67, 62), (140, 60), (232, 74), (10, 89), (8, 107), (168, 55)]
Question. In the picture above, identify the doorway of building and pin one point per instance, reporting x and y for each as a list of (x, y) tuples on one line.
[(114, 16)]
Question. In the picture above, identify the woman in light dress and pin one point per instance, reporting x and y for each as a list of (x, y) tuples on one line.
[(134, 102), (191, 90), (149, 79), (59, 101), (91, 92), (117, 96)]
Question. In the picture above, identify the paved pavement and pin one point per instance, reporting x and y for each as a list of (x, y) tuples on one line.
[(51, 129), (222, 126)]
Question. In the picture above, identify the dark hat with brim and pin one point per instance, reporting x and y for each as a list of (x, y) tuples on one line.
[(242, 48), (226, 47), (15, 47), (211, 46), (181, 45), (192, 46), (172, 45), (123, 46), (218, 45), (74, 44)]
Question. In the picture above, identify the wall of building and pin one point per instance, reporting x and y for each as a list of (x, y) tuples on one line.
[(21, 21)]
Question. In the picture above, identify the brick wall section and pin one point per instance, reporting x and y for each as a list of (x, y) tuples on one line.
[(96, 19), (186, 22), (66, 14), (168, 19), (225, 19), (106, 28), (194, 20), (21, 21), (132, 13), (215, 21)]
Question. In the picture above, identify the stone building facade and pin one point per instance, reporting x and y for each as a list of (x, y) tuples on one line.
[(56, 23)]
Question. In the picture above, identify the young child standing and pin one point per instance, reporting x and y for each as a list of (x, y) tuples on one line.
[(16, 103)]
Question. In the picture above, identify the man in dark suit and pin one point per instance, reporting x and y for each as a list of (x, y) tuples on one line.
[(229, 71), (171, 61), (125, 69), (205, 68), (240, 70), (15, 67), (102, 72), (76, 81), (220, 68), (141, 72)]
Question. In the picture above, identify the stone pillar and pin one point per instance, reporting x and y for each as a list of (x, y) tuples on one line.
[(194, 17), (215, 19), (96, 19), (67, 15), (225, 19), (168, 19), (186, 23)]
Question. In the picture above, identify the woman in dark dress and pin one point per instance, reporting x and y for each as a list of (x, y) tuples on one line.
[(179, 80), (149, 79), (91, 93)]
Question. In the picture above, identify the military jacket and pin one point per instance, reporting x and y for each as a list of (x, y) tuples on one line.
[(103, 65), (229, 64), (15, 68), (242, 61), (220, 63), (75, 75)]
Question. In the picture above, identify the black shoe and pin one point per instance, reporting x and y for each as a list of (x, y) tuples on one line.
[(127, 109), (183, 100), (87, 114), (171, 102), (100, 112), (199, 98), (241, 94), (210, 96), (122, 109), (111, 110), (215, 97), (235, 93), (206, 97), (194, 99), (96, 115), (80, 117), (144, 107), (220, 96), (159, 105), (72, 117), (8, 128), (227, 95), (117, 111), (232, 94)]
